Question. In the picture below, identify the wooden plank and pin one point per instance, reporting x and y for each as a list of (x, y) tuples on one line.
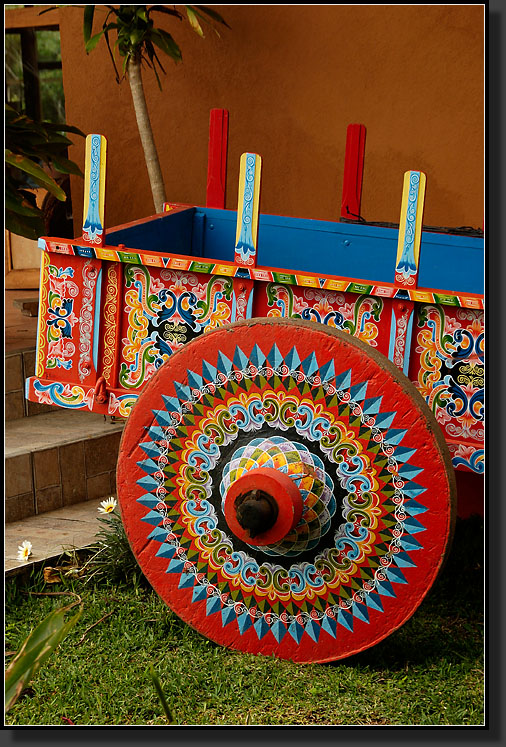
[(247, 209), (410, 229), (217, 159), (94, 190), (353, 171)]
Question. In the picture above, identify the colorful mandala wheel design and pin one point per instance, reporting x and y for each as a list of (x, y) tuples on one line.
[(286, 490)]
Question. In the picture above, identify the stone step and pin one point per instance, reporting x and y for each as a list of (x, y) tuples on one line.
[(19, 365), (59, 459), (69, 528)]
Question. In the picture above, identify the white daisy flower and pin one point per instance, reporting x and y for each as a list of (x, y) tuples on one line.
[(107, 506), (24, 550)]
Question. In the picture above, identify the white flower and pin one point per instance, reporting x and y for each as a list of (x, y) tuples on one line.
[(107, 506), (24, 550)]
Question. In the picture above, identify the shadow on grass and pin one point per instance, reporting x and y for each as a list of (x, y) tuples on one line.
[(448, 623)]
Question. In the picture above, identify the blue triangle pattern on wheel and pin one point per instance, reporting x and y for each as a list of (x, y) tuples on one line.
[(148, 483), (183, 392), (256, 357), (384, 419), (408, 471), (329, 625), (194, 380), (172, 404), (412, 489), (292, 359), (309, 365), (371, 406), (395, 575), (158, 534), (223, 364), (261, 627), (166, 551), (374, 601), (296, 631), (227, 615), (156, 433), (163, 418), (412, 507), (186, 581), (278, 630), (395, 435), (403, 560), (148, 500), (153, 517), (275, 358), (403, 453), (408, 542), (149, 466), (413, 525), (213, 604), (176, 565), (150, 449), (208, 372), (328, 371), (357, 391), (360, 611), (240, 359), (199, 593), (345, 619), (343, 381), (244, 622), (313, 630), (386, 589)]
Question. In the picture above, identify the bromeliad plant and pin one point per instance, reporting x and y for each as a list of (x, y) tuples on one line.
[(112, 558), (137, 41), (32, 151)]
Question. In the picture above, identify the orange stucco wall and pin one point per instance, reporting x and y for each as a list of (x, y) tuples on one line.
[(293, 77)]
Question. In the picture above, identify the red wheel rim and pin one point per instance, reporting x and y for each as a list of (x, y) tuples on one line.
[(377, 487)]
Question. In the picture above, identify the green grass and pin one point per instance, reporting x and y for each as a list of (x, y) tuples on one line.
[(430, 672)]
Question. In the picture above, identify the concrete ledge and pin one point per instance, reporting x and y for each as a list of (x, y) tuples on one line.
[(71, 527), (54, 429)]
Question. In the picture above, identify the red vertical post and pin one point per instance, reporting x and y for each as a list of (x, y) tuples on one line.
[(217, 159), (353, 171)]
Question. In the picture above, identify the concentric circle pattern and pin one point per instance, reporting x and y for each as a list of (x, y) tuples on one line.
[(308, 473), (347, 428)]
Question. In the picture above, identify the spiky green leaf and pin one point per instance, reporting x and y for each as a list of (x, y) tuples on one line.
[(34, 652), (89, 11)]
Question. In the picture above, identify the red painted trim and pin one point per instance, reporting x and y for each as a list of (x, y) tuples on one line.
[(217, 159), (353, 171)]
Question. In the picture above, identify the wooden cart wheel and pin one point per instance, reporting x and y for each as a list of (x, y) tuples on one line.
[(286, 490)]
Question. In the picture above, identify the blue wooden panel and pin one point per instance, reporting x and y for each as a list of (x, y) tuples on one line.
[(454, 263), (170, 233), (451, 263), (366, 252)]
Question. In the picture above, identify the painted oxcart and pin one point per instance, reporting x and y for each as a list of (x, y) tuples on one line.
[(299, 395)]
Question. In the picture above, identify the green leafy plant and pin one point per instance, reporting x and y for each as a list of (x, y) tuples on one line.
[(112, 557), (35, 152), (137, 41), (35, 650)]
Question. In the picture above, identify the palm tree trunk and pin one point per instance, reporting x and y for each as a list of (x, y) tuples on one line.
[(146, 134)]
